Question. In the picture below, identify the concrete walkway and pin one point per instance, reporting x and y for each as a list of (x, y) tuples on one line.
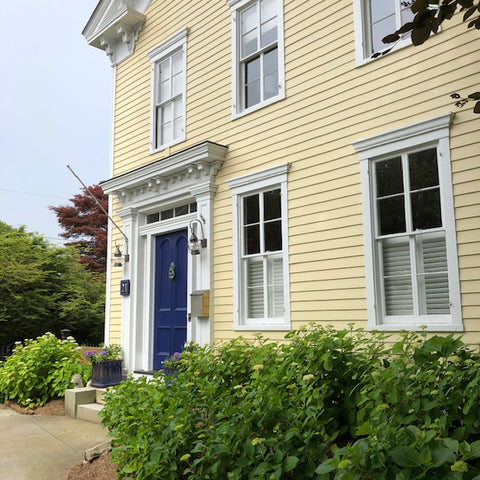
[(43, 447)]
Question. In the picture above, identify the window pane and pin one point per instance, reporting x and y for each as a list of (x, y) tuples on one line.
[(177, 84), (252, 70), (167, 133), (407, 15), (252, 94), (389, 177), (164, 80), (380, 30), (397, 281), (391, 213), (268, 9), (273, 236), (177, 63), (249, 19), (379, 9), (269, 32), (167, 113), (252, 239), (254, 280), (152, 218), (165, 91), (272, 205), (270, 71), (182, 210), (270, 86), (193, 207), (426, 210), (270, 61), (249, 31), (166, 214), (251, 208), (177, 128), (423, 169)]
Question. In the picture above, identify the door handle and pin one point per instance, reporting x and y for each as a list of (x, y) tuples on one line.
[(189, 317)]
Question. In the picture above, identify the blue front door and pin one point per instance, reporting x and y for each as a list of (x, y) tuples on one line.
[(170, 321)]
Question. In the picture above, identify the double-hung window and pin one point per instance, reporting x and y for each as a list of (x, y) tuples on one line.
[(168, 92), (260, 250), (257, 51), (374, 20), (411, 259)]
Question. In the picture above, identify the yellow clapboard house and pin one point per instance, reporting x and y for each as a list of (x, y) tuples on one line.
[(268, 173)]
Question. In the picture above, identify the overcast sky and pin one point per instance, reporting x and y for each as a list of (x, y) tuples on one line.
[(55, 108)]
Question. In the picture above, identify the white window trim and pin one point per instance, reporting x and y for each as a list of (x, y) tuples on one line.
[(432, 132), (236, 6), (275, 177), (175, 43), (359, 27)]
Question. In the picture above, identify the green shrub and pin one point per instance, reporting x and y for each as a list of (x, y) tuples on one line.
[(326, 405), (40, 370)]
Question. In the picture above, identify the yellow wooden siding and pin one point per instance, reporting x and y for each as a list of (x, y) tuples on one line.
[(329, 104)]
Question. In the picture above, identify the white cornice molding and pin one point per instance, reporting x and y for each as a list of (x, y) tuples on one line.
[(276, 172), (114, 27), (437, 126), (190, 169)]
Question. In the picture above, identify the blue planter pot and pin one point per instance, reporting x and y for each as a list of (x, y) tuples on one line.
[(106, 373)]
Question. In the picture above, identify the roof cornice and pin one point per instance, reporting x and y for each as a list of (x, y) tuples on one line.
[(114, 27)]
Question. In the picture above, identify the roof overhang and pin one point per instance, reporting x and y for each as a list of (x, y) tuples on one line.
[(114, 27)]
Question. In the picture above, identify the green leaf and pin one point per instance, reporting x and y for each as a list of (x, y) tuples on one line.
[(364, 429), (441, 455), (325, 467), (290, 463), (474, 96), (476, 108), (474, 451), (406, 456)]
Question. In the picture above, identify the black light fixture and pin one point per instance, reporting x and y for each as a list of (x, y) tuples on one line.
[(117, 256), (195, 244)]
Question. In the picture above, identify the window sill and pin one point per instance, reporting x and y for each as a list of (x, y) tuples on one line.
[(360, 61), (167, 145), (264, 327), (258, 106), (416, 328)]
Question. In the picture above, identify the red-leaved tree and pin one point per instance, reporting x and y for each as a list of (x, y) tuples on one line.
[(86, 226)]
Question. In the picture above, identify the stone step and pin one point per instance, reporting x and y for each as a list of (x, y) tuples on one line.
[(99, 395), (89, 412)]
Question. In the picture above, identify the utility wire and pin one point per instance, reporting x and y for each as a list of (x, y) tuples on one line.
[(31, 193)]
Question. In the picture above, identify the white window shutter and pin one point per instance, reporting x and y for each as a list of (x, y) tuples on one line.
[(397, 279), (437, 300), (255, 293)]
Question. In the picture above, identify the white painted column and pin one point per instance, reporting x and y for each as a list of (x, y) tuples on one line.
[(129, 218), (202, 270)]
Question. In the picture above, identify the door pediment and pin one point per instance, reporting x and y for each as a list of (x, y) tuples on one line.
[(190, 170)]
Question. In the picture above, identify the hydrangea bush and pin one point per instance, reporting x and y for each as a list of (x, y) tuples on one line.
[(325, 405), (40, 370)]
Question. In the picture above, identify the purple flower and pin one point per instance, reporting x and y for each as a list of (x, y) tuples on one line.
[(103, 352), (90, 353)]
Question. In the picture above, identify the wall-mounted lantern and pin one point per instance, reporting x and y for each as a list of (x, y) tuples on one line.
[(195, 244), (117, 256)]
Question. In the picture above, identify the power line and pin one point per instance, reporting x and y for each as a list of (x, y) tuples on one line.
[(31, 193)]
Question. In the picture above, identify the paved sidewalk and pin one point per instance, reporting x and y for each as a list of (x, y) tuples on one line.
[(43, 447)]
